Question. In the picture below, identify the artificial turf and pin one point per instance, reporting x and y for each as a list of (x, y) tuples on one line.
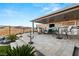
[(3, 50)]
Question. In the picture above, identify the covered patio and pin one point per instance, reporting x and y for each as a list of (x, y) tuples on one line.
[(50, 45), (62, 18)]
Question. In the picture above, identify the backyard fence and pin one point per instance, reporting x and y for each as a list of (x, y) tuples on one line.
[(8, 30)]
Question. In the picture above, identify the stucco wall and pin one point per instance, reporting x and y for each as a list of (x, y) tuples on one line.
[(13, 30), (44, 26), (65, 23), (59, 24), (77, 22)]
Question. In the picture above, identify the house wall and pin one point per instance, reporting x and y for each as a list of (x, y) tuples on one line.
[(65, 23), (78, 22), (44, 26), (60, 24)]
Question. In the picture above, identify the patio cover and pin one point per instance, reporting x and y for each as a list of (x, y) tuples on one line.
[(69, 13)]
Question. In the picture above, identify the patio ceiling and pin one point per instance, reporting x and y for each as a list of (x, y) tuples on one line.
[(69, 14), (74, 15)]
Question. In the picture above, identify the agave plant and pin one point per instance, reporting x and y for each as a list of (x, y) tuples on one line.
[(21, 51), (12, 37)]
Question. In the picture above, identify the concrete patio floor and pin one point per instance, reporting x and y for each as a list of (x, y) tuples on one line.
[(49, 45)]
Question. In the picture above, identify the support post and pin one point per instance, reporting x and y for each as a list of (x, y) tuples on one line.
[(33, 26)]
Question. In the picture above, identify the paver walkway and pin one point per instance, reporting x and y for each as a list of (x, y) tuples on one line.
[(50, 46)]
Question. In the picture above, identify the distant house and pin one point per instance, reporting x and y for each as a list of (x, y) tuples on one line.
[(62, 18)]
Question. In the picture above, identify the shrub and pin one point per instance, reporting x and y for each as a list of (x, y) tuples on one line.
[(12, 37), (21, 51)]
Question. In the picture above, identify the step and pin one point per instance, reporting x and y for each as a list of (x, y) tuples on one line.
[(25, 39), (13, 44), (65, 50), (20, 43)]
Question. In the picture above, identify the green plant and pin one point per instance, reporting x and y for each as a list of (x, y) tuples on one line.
[(12, 37), (21, 51), (3, 50)]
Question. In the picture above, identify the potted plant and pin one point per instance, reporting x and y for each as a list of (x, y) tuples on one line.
[(31, 37)]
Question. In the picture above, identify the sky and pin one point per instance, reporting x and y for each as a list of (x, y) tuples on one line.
[(20, 14)]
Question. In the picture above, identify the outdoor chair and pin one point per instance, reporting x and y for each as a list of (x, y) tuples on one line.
[(69, 32), (59, 36), (66, 32), (52, 30), (40, 31)]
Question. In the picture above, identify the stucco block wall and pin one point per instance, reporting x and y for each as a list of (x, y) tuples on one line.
[(13, 30), (16, 30), (4, 31)]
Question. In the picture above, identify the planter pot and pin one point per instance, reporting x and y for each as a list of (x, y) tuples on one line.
[(59, 37), (30, 42)]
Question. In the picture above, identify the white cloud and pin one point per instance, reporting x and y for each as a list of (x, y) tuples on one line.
[(11, 13), (56, 8), (50, 8), (54, 5), (38, 4), (45, 9)]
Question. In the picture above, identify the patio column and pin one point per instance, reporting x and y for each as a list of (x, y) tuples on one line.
[(31, 36), (33, 27)]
